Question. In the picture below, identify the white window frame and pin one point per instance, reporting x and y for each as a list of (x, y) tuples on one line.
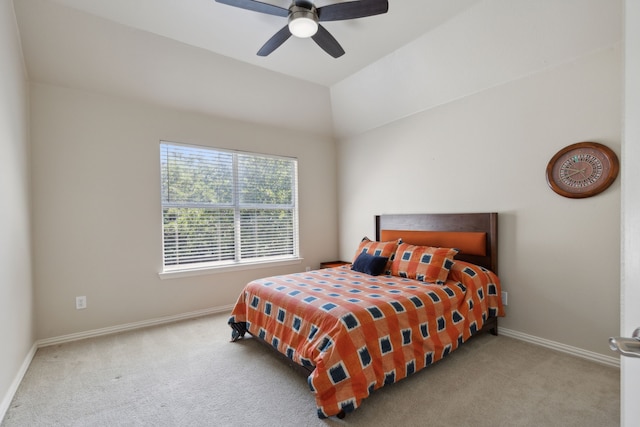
[(238, 263)]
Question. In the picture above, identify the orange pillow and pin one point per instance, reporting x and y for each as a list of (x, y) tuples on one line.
[(423, 263), (382, 249)]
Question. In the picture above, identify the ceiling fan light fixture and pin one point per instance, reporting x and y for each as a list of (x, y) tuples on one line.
[(303, 22), (304, 17)]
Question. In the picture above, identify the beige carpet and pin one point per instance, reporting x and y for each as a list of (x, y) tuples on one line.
[(189, 374)]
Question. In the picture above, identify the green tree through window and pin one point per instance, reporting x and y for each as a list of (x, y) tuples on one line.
[(225, 207)]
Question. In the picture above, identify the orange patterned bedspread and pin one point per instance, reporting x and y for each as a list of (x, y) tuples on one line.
[(362, 332)]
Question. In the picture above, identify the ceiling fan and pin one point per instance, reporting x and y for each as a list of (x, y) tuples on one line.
[(304, 20)]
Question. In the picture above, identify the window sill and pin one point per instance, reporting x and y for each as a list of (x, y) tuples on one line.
[(175, 274)]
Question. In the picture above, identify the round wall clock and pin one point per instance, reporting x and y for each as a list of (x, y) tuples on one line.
[(582, 170)]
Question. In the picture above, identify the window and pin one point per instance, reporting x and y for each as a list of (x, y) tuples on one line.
[(223, 207)]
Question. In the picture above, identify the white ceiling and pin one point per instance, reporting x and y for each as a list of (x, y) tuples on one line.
[(200, 55), (238, 33)]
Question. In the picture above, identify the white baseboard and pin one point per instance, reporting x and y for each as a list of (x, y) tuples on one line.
[(575, 351), (8, 397), (131, 326)]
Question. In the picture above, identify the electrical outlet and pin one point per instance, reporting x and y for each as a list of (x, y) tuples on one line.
[(307, 268), (504, 298), (81, 303)]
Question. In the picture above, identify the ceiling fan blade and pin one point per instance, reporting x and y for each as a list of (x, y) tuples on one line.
[(275, 42), (327, 42), (257, 6), (352, 10)]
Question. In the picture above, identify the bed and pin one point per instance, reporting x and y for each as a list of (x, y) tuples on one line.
[(409, 298)]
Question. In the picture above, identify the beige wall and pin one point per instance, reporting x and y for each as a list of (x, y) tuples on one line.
[(466, 118), (97, 218), (559, 257), (16, 297)]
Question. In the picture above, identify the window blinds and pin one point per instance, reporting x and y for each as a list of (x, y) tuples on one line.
[(222, 207)]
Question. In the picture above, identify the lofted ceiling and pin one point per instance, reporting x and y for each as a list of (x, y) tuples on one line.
[(238, 34), (200, 55)]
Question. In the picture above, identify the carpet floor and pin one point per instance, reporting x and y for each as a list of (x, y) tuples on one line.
[(189, 374)]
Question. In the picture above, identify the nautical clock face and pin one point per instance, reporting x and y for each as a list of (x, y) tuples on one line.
[(582, 170)]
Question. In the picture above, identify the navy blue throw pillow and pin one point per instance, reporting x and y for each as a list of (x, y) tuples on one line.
[(370, 264)]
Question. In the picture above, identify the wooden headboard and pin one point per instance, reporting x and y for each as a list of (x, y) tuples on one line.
[(474, 234)]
